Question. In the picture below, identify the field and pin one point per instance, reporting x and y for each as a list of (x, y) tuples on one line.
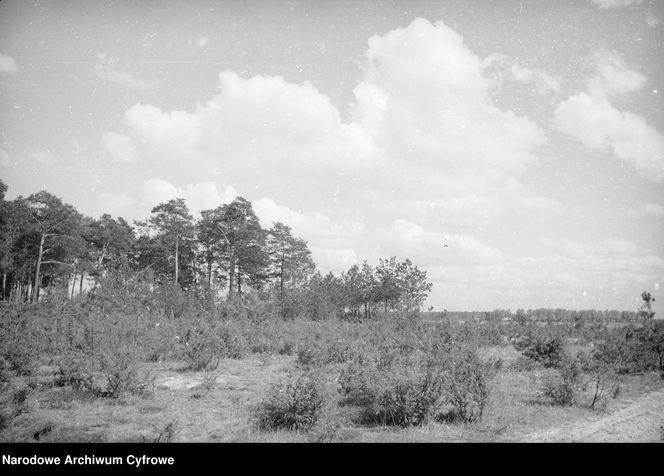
[(218, 404)]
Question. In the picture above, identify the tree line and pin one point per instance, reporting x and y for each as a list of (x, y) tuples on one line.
[(46, 244)]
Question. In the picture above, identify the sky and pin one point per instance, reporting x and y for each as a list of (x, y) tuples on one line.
[(527, 136)]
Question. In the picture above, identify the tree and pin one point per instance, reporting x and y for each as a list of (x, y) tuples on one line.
[(413, 284), (290, 258), (645, 311), (175, 226), (233, 234), (51, 219)]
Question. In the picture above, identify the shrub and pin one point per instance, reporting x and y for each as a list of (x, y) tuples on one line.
[(200, 350), (76, 372), (392, 388), (123, 377), (564, 385), (117, 375), (294, 404), (468, 384), (18, 358), (547, 350)]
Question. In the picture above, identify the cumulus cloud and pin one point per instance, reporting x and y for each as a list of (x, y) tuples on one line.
[(120, 147), (598, 125), (424, 144), (426, 95), (408, 239), (613, 76), (7, 65), (545, 82), (593, 120), (200, 196)]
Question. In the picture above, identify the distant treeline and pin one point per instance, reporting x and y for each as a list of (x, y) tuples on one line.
[(546, 315)]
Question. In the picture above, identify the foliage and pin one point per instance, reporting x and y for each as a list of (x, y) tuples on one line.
[(564, 384), (544, 349), (292, 404)]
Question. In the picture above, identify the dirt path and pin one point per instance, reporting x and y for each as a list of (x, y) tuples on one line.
[(635, 420)]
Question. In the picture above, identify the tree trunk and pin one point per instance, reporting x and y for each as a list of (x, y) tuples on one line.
[(281, 275), (209, 272), (239, 282), (4, 285), (231, 274), (80, 284), (73, 285), (177, 249), (35, 290)]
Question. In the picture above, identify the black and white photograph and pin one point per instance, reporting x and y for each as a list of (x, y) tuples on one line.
[(332, 221)]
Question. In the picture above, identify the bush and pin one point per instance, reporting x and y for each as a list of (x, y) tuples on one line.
[(123, 377), (547, 350), (117, 375), (564, 385), (294, 404), (469, 384), (392, 388), (200, 350), (76, 372), (18, 358)]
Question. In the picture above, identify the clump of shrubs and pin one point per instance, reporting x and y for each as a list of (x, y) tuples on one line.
[(17, 358), (468, 385), (547, 350), (398, 386), (117, 375), (292, 404), (564, 384)]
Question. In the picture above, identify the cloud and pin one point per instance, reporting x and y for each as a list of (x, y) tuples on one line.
[(426, 248), (7, 65), (120, 147), (424, 144), (593, 120), (426, 96), (607, 4), (201, 196), (107, 71), (545, 82), (598, 125), (614, 78), (114, 204)]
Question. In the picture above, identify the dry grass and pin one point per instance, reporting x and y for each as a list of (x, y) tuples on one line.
[(216, 407)]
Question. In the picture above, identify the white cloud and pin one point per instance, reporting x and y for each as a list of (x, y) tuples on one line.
[(107, 71), (546, 83), (614, 77), (114, 204), (607, 4), (407, 239), (599, 125), (200, 196), (120, 147), (428, 100), (7, 65)]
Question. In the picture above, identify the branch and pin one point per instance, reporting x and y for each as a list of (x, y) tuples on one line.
[(57, 262)]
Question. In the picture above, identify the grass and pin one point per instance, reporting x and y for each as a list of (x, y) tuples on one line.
[(206, 406)]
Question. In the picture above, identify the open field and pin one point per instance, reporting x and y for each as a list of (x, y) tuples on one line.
[(216, 406)]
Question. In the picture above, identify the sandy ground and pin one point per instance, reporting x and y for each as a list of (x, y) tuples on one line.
[(634, 420)]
